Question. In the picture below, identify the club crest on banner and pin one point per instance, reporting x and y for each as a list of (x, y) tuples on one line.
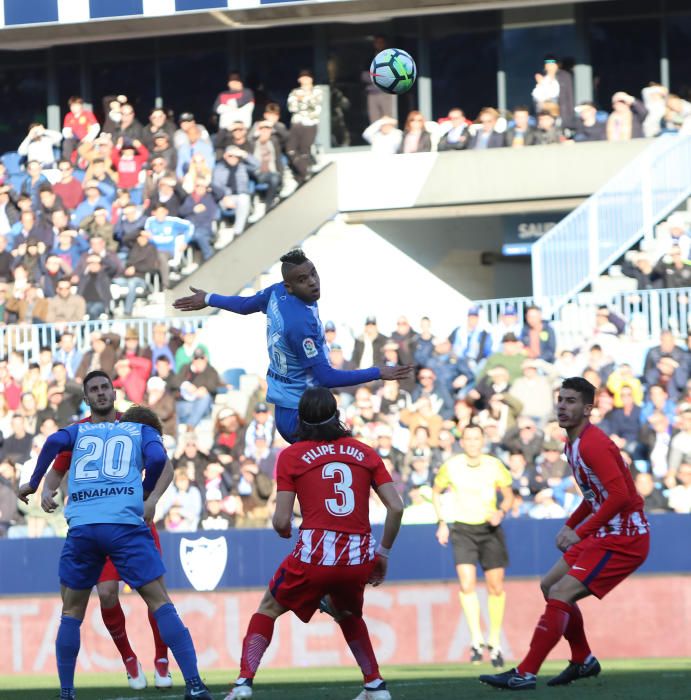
[(204, 561)]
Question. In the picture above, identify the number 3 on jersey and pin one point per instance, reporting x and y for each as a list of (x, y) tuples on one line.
[(93, 453), (343, 480)]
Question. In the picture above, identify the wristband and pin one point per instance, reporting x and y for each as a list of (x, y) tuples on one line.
[(383, 551), (207, 299)]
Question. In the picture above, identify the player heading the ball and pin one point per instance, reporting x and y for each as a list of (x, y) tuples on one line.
[(298, 355)]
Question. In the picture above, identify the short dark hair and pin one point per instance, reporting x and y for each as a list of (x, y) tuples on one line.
[(96, 373), (521, 108), (143, 415), (292, 259), (272, 108), (318, 417), (582, 386), (472, 426)]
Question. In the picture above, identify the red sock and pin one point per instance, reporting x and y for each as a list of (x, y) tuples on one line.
[(255, 643), (548, 632), (355, 632), (114, 620), (160, 646), (575, 635)]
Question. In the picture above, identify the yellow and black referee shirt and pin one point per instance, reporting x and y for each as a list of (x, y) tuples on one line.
[(474, 488)]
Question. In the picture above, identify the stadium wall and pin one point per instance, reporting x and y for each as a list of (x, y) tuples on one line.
[(240, 559), (409, 623)]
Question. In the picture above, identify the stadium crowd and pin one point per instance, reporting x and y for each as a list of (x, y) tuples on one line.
[(116, 210), (502, 377)]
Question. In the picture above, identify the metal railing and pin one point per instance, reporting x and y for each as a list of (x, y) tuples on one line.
[(609, 222), (646, 312), (28, 339)]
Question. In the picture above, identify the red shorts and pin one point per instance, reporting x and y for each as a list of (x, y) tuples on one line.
[(299, 586), (601, 563), (110, 573)]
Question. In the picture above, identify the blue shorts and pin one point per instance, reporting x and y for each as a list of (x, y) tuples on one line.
[(131, 548), (287, 422)]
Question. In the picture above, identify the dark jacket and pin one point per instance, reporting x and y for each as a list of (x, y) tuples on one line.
[(203, 219), (125, 232), (496, 140), (377, 350), (424, 144), (208, 378), (596, 132), (529, 138), (144, 258)]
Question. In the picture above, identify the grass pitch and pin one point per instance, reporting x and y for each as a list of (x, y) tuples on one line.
[(634, 679)]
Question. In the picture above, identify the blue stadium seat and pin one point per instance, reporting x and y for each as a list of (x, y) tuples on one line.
[(232, 376), (13, 162), (137, 195)]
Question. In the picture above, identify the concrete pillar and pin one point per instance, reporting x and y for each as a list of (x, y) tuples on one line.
[(583, 69), (158, 85), (424, 77), (85, 77), (53, 120)]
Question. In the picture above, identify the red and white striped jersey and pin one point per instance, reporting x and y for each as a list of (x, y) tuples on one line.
[(596, 463), (330, 548), (332, 482)]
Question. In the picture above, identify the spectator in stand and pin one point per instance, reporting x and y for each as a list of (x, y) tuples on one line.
[(455, 131), (105, 175), (163, 148), (70, 247), (28, 228), (555, 86), (65, 306), (126, 230), (201, 210), (534, 391), (190, 342), (54, 269), (129, 127), (158, 121), (384, 135), (673, 270), (231, 180), (38, 145), (67, 353), (129, 158), (97, 226), (368, 349), (69, 189), (655, 101), (658, 400), (261, 426), (162, 403), (48, 203), (9, 213), (160, 346), (266, 148), (94, 287), (588, 127), (234, 104), (272, 114), (236, 135), (669, 374), (434, 392), (184, 497), (547, 131), (199, 382), (169, 194), (416, 138), (6, 261), (170, 235), (305, 105), (187, 121), (406, 338), (622, 424), (451, 371), (79, 126), (627, 117), (93, 200), (623, 377), (100, 149), (641, 269), (195, 145), (674, 234), (667, 348), (158, 170), (655, 438), (31, 307), (473, 342), (521, 133), (28, 256), (142, 259), (103, 354), (97, 246), (198, 170), (538, 336), (9, 515), (678, 115), (679, 496), (525, 438), (229, 436), (680, 446), (511, 357), (485, 134), (32, 182), (654, 500), (507, 323)]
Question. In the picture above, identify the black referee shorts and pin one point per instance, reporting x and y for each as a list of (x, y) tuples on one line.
[(479, 543)]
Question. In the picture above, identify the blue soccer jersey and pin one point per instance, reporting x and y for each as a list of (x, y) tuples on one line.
[(294, 338), (105, 476)]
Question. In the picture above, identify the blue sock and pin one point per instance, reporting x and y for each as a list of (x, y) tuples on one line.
[(66, 649), (177, 637)]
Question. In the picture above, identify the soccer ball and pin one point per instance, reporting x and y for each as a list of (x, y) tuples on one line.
[(393, 71)]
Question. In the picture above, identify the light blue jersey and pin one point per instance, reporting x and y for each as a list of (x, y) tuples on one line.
[(105, 476)]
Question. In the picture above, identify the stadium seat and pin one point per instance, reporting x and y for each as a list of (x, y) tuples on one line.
[(232, 376), (13, 162)]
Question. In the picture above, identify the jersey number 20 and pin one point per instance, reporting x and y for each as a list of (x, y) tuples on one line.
[(343, 480), (111, 456)]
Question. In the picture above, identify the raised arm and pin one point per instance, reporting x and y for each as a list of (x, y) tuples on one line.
[(200, 299)]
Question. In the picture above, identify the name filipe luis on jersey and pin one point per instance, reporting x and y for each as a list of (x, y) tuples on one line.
[(320, 450)]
